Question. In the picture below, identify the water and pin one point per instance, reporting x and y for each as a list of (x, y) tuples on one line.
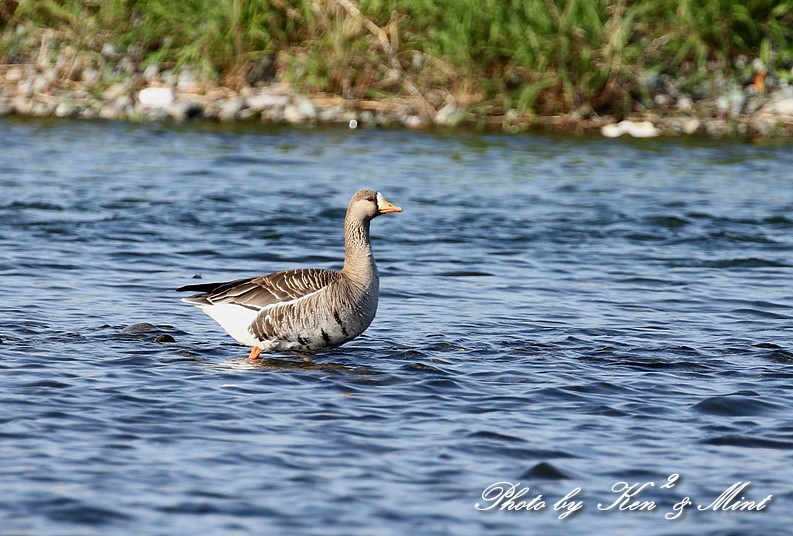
[(559, 313)]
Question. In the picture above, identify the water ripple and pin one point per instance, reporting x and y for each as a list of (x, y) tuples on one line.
[(551, 313)]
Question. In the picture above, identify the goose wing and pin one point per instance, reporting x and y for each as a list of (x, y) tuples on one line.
[(260, 292)]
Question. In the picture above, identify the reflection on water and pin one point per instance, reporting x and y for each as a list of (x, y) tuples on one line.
[(554, 312)]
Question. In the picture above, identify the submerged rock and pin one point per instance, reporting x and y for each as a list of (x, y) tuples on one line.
[(544, 471), (141, 327)]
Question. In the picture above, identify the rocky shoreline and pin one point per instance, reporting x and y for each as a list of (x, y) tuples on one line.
[(61, 81)]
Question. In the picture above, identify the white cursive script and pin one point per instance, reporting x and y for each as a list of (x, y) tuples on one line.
[(570, 506), (728, 496), (627, 494), (506, 494)]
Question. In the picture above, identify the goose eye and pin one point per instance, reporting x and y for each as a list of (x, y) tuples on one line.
[(370, 199)]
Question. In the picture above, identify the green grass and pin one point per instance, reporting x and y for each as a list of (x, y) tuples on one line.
[(540, 56)]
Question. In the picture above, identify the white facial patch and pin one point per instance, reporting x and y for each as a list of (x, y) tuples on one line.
[(380, 200)]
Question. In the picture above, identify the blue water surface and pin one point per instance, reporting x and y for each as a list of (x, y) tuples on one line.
[(555, 313)]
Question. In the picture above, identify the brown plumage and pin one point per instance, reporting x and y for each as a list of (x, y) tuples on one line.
[(308, 310)]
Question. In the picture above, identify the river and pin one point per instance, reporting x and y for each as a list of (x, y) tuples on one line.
[(555, 313)]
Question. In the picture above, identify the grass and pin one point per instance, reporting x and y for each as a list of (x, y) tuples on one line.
[(540, 56)]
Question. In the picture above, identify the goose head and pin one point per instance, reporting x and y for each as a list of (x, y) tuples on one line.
[(368, 204)]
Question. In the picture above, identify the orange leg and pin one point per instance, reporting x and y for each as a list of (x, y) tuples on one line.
[(255, 351)]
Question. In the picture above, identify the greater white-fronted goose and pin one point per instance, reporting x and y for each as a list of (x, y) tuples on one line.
[(309, 310)]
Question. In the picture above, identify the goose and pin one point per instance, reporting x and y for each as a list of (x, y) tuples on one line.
[(307, 310)]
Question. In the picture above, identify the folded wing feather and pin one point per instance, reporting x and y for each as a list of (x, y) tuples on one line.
[(263, 291)]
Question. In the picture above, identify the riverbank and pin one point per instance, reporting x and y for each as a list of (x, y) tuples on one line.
[(42, 91), (48, 69)]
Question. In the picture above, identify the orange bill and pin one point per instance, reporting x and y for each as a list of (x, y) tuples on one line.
[(385, 207)]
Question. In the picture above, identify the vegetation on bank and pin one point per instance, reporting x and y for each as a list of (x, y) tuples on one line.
[(536, 56)]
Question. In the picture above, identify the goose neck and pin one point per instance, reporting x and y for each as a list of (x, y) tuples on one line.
[(358, 258)]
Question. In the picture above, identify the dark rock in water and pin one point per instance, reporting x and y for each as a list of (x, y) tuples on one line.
[(164, 338), (141, 327), (544, 471)]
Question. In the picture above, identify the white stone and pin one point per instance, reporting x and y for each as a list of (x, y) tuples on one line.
[(150, 72), (445, 114), (156, 97), (266, 100), (90, 75), (292, 114), (14, 74), (779, 107), (187, 80), (691, 125), (111, 112), (612, 130), (40, 83), (230, 109), (114, 91), (21, 105), (413, 121), (65, 110), (25, 88), (637, 129), (684, 104), (306, 107)]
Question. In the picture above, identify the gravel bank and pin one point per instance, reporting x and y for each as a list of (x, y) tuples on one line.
[(56, 80)]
